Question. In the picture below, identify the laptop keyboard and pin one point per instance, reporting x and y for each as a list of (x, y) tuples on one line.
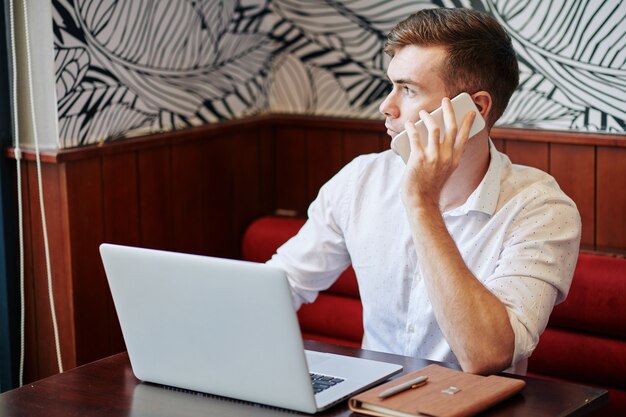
[(322, 382)]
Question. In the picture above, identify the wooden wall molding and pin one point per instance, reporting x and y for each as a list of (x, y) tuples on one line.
[(299, 121), (196, 191)]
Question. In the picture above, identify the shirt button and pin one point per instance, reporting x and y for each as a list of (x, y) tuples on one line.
[(411, 328)]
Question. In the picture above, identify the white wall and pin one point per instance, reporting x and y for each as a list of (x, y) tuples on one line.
[(43, 81)]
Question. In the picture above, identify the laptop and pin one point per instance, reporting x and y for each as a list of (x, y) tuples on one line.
[(227, 328)]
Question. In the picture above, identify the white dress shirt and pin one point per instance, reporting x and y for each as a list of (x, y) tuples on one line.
[(517, 232)]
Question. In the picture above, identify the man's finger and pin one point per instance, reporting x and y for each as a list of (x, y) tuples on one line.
[(463, 134), (415, 143), (434, 134), (449, 120)]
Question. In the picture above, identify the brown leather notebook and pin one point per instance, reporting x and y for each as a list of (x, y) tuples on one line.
[(446, 393)]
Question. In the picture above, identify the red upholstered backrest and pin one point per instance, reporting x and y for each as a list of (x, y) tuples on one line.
[(266, 234), (336, 315), (586, 337), (596, 302)]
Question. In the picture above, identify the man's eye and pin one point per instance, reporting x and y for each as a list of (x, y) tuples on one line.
[(407, 91)]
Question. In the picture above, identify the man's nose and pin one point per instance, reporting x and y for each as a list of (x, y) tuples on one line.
[(388, 107)]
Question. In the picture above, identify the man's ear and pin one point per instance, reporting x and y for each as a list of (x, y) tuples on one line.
[(484, 103)]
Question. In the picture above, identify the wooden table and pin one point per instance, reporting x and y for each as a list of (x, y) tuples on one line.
[(109, 388)]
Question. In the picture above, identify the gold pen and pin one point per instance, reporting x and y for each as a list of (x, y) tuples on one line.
[(413, 383)]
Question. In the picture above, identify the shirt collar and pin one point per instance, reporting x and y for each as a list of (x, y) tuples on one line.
[(485, 197)]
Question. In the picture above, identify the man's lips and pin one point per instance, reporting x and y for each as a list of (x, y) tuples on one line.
[(391, 132)]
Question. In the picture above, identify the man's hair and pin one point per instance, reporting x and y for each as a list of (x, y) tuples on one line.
[(480, 55)]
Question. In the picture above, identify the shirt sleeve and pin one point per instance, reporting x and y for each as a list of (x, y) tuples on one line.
[(317, 254), (536, 266)]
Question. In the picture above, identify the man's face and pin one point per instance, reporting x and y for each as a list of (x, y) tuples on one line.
[(414, 72)]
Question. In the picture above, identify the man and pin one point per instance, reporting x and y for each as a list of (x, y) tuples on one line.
[(460, 256)]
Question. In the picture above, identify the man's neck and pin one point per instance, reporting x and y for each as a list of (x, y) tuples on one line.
[(469, 173)]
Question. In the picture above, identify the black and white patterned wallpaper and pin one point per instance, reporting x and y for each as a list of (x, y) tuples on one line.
[(140, 66), (125, 68)]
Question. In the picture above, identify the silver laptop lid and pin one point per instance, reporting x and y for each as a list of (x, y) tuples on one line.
[(213, 325)]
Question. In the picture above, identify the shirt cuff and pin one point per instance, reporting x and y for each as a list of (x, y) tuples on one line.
[(524, 346)]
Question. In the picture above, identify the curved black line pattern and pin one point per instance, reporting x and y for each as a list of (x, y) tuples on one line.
[(155, 65), (344, 39), (574, 59), (158, 64)]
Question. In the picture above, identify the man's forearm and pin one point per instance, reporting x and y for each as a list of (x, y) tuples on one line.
[(473, 320)]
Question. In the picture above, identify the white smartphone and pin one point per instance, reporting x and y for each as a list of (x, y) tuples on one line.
[(461, 104)]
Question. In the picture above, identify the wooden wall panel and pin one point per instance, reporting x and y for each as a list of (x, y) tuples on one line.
[(577, 183), (32, 318), (358, 142), (121, 219), (191, 201), (500, 144), (267, 156), (155, 198), (46, 363), (39, 317), (61, 276), (249, 188), (384, 142), (529, 153), (325, 152), (121, 199), (95, 320), (611, 198), (224, 160), (291, 193)]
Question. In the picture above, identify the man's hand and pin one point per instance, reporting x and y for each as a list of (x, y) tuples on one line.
[(429, 167)]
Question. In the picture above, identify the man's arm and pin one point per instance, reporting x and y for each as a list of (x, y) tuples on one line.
[(315, 257), (473, 320)]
